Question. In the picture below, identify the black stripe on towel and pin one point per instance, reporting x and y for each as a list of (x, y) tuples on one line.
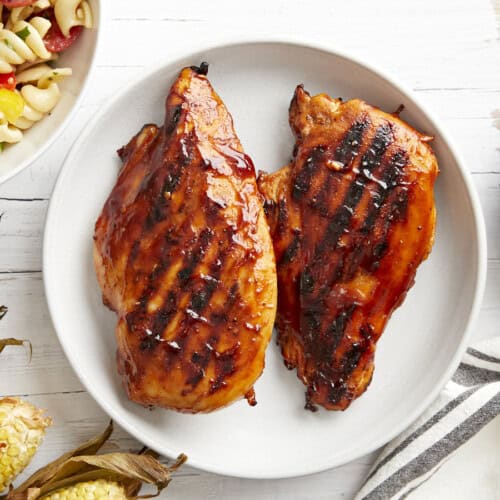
[(431, 457), (416, 486), (480, 355), (468, 375), (424, 427)]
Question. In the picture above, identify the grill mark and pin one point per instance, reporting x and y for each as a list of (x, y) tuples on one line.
[(311, 322), (140, 319), (174, 173), (336, 330), (350, 361), (195, 256), (349, 147), (224, 362), (197, 366), (197, 373), (302, 181), (396, 212), (321, 204), (200, 298), (198, 302), (291, 251), (172, 118), (390, 177), (225, 366), (282, 216), (162, 318), (343, 215)]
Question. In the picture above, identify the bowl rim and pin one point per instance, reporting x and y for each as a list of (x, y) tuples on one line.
[(478, 220), (76, 105)]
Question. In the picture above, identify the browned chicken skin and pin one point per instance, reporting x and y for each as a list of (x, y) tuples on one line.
[(352, 217), (184, 257)]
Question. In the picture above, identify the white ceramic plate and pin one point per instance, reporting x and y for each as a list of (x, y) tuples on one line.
[(278, 438), (80, 58)]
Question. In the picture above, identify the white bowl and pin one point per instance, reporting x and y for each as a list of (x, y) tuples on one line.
[(416, 355), (80, 57)]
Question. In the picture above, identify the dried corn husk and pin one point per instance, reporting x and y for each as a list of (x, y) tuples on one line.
[(5, 342), (82, 465)]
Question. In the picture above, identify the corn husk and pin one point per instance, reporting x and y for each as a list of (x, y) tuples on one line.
[(11, 341), (82, 465)]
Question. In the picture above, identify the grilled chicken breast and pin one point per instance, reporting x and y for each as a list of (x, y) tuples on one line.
[(183, 255), (352, 217)]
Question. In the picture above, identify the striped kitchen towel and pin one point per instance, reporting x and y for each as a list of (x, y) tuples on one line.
[(468, 402)]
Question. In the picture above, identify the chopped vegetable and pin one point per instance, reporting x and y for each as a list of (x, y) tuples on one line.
[(54, 40), (22, 428), (11, 105), (16, 3), (24, 33), (8, 81)]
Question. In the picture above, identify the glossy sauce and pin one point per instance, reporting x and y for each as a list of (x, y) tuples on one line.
[(351, 217), (180, 238)]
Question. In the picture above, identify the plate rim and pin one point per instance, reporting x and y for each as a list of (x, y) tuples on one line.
[(99, 28), (480, 244)]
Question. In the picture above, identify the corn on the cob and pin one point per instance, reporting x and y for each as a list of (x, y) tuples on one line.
[(22, 428), (90, 490)]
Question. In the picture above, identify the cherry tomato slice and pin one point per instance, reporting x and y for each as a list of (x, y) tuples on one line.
[(54, 40), (8, 81), (17, 3)]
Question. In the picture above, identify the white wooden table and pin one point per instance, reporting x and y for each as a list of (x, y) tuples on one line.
[(448, 51)]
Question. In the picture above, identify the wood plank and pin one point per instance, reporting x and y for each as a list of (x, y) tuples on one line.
[(28, 318)]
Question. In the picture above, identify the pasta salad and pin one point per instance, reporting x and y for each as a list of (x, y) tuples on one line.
[(32, 34)]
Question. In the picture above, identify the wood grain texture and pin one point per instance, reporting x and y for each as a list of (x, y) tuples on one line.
[(446, 51)]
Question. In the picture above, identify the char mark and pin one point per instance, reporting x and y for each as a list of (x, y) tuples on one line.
[(336, 330), (303, 179), (172, 181), (349, 147), (282, 216), (148, 343), (291, 251), (389, 180), (306, 284), (342, 217), (200, 298), (198, 364), (140, 319), (225, 366), (194, 256), (338, 387), (172, 118), (339, 223)]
